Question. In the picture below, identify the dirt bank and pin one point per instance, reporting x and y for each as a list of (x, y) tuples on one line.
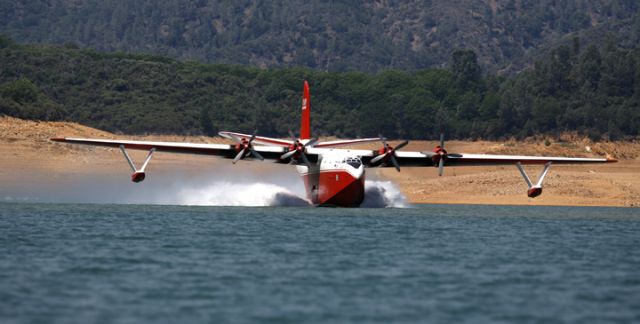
[(28, 158)]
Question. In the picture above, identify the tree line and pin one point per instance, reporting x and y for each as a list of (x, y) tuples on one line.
[(593, 90)]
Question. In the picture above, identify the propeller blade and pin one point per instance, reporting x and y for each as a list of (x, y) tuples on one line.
[(442, 140), (441, 167), (311, 142), (304, 158), (253, 136), (238, 156), (256, 154), (378, 158), (287, 155), (395, 163), (401, 145), (429, 154)]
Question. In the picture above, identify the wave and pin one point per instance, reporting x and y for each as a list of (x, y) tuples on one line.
[(274, 188), (240, 194), (383, 194), (378, 194)]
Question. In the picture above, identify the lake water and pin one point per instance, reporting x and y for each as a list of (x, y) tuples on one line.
[(64, 263)]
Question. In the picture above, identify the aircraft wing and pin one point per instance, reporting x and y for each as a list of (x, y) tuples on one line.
[(388, 157), (346, 142), (286, 143), (421, 159), (464, 159), (221, 150), (258, 139), (404, 158)]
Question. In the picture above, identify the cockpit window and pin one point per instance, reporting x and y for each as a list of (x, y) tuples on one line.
[(354, 162)]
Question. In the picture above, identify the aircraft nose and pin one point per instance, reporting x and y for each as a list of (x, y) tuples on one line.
[(359, 172)]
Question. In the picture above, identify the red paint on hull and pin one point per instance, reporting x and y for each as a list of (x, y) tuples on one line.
[(334, 188)]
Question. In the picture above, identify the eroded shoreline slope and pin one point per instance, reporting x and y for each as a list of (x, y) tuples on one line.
[(28, 159)]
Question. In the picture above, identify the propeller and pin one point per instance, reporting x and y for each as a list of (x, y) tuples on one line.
[(243, 146), (442, 154), (439, 154), (297, 149), (388, 153)]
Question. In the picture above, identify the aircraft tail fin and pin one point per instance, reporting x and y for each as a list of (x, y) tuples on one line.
[(305, 123)]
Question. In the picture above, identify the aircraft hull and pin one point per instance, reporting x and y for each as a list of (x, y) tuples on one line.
[(334, 188)]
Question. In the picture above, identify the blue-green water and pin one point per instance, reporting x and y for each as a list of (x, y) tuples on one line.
[(155, 264)]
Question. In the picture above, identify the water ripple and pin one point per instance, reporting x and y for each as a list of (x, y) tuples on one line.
[(167, 264)]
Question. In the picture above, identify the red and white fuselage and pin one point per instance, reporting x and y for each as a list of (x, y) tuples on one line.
[(337, 179)]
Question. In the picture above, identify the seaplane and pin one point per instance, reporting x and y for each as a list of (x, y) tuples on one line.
[(333, 175)]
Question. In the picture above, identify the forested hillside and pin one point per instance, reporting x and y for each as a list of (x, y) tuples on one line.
[(368, 36), (593, 90)]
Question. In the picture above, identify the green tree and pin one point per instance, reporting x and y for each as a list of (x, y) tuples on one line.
[(21, 91), (587, 71), (205, 122), (465, 69)]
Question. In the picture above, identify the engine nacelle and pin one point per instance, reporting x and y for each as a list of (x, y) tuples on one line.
[(137, 176), (534, 192)]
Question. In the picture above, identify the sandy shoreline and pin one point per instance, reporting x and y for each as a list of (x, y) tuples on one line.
[(29, 160)]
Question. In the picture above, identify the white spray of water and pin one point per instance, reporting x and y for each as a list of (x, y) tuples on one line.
[(381, 194), (240, 194), (225, 187), (378, 194)]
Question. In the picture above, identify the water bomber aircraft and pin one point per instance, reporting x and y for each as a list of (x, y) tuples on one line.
[(332, 176)]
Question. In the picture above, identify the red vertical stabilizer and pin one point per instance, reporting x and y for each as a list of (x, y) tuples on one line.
[(305, 123)]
